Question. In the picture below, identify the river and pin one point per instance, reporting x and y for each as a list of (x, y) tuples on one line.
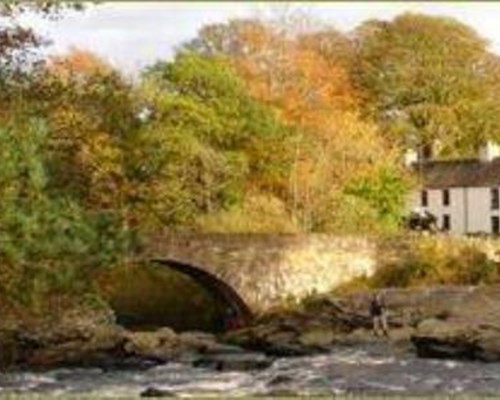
[(374, 369)]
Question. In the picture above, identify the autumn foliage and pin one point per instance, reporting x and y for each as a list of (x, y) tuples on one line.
[(309, 87), (252, 127)]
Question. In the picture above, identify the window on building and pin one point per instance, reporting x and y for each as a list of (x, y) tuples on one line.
[(446, 197), (446, 222), (495, 199), (424, 200), (495, 225)]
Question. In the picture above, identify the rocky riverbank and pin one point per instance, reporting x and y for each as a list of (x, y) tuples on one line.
[(440, 322), (446, 322), (93, 339)]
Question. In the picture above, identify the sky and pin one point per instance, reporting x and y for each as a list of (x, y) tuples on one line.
[(131, 35)]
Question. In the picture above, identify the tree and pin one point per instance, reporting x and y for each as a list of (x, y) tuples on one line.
[(90, 112), (429, 79), (59, 129), (18, 44), (206, 144), (50, 245)]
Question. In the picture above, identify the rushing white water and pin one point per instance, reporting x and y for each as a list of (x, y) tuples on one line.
[(368, 370)]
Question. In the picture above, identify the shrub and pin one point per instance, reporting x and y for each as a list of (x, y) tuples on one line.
[(258, 214), (438, 260)]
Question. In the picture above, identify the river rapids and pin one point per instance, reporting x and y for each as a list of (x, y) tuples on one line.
[(362, 370)]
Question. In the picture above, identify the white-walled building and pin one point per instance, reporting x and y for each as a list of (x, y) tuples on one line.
[(463, 194)]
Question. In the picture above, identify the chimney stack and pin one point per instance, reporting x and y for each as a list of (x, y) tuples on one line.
[(489, 151), (410, 157)]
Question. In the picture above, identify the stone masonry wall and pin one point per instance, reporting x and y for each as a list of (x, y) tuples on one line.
[(269, 269)]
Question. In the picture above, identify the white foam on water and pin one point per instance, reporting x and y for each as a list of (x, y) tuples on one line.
[(75, 371), (338, 391), (118, 391), (336, 386), (170, 366), (384, 386), (32, 378), (431, 382), (458, 389), (215, 383), (451, 364), (361, 357)]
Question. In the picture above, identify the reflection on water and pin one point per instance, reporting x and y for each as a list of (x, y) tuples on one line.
[(368, 370)]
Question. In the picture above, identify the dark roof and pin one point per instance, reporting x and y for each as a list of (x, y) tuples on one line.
[(459, 173)]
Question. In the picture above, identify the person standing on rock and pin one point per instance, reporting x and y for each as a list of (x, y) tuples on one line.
[(378, 314)]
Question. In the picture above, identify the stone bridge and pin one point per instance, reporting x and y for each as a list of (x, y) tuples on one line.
[(264, 270)]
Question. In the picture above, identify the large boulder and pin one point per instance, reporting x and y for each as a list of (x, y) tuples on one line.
[(294, 334), (471, 331), (91, 338), (161, 345), (318, 337), (75, 337), (436, 338)]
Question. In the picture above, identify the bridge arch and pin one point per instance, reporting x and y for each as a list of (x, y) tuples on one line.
[(269, 270), (219, 289)]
